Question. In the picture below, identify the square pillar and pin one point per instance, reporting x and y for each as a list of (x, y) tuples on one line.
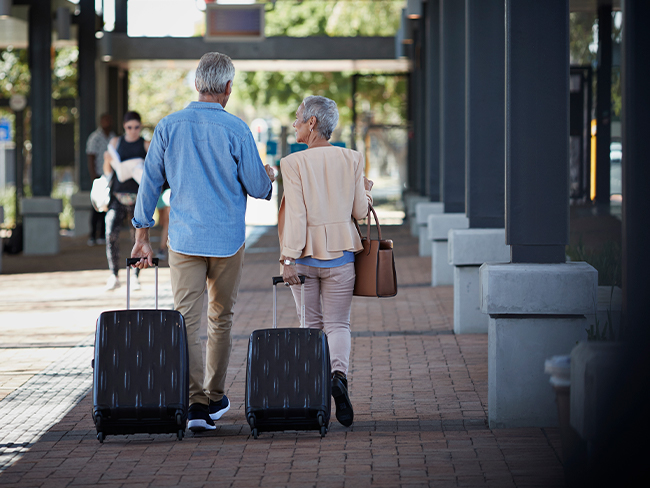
[(80, 202), (41, 225), (452, 105), (422, 212), (536, 311), (410, 201), (468, 250), (442, 273)]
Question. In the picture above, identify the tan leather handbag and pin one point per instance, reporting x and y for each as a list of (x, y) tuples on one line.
[(375, 264)]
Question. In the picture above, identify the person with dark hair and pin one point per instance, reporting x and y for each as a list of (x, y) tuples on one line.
[(123, 194), (210, 160), (95, 148)]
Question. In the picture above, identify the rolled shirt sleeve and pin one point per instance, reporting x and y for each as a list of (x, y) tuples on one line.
[(250, 170), (362, 197), (153, 178)]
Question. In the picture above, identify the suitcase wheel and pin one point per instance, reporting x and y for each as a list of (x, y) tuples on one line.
[(321, 422), (180, 435), (100, 437), (254, 433), (179, 417)]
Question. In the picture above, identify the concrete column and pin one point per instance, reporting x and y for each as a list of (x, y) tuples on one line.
[(468, 250), (536, 311), (41, 225), (537, 128), (636, 170), (40, 42), (484, 162), (452, 102), (432, 97), (86, 83), (422, 212), (121, 17), (411, 199), (439, 225), (485, 114), (80, 202), (604, 104), (419, 134)]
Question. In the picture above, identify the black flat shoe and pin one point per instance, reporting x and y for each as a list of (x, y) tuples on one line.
[(344, 412)]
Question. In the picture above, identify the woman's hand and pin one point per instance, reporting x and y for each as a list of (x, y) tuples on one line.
[(269, 172), (290, 275), (367, 183)]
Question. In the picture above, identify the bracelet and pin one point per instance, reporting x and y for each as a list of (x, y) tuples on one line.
[(288, 262)]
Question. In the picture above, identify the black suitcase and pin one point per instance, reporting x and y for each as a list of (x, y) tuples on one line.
[(141, 370), (288, 376)]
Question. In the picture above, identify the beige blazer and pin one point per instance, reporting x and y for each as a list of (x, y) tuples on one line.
[(323, 191)]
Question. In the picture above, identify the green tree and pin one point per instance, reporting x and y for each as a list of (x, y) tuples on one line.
[(302, 18), (155, 93)]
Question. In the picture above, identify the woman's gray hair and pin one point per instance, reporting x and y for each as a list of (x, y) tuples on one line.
[(325, 112), (215, 70)]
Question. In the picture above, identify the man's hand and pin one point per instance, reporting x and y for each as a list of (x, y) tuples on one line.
[(142, 249), (270, 172)]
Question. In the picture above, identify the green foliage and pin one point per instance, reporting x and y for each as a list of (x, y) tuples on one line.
[(607, 333), (156, 93), (64, 192), (581, 35), (303, 18), (8, 202), (64, 73), (14, 72), (606, 260), (15, 76)]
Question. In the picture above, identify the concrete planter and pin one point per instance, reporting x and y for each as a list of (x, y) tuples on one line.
[(594, 375), (573, 448)]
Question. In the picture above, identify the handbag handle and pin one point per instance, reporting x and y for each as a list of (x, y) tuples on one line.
[(370, 209)]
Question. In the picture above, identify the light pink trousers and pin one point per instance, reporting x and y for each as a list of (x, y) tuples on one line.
[(328, 302)]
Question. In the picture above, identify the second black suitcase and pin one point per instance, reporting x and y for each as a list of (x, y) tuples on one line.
[(141, 371), (288, 377)]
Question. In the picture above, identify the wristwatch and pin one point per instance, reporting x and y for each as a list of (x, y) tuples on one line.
[(288, 262)]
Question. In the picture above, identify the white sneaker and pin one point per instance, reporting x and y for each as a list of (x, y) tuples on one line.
[(135, 284), (112, 283)]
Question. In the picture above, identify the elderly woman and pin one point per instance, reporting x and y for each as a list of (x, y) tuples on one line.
[(324, 189)]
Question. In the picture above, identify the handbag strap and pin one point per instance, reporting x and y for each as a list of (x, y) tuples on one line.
[(356, 224)]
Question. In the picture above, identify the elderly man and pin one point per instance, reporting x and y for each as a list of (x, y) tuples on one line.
[(210, 160)]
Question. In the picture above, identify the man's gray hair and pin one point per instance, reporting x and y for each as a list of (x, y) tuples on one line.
[(325, 112), (215, 70)]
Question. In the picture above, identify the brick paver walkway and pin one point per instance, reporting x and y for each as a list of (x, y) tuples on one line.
[(419, 393)]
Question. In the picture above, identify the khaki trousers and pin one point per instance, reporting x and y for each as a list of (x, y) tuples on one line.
[(328, 303), (189, 275)]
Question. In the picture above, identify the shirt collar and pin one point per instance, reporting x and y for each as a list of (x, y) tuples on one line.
[(205, 105)]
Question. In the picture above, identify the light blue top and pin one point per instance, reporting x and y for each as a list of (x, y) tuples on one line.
[(210, 160), (348, 257)]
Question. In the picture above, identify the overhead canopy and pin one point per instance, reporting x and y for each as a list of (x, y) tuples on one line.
[(271, 54)]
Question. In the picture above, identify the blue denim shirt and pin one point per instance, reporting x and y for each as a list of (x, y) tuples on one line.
[(210, 160)]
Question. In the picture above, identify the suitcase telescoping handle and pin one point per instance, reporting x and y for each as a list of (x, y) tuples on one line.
[(130, 262), (278, 279)]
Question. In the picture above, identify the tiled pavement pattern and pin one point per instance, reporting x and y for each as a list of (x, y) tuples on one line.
[(419, 392)]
